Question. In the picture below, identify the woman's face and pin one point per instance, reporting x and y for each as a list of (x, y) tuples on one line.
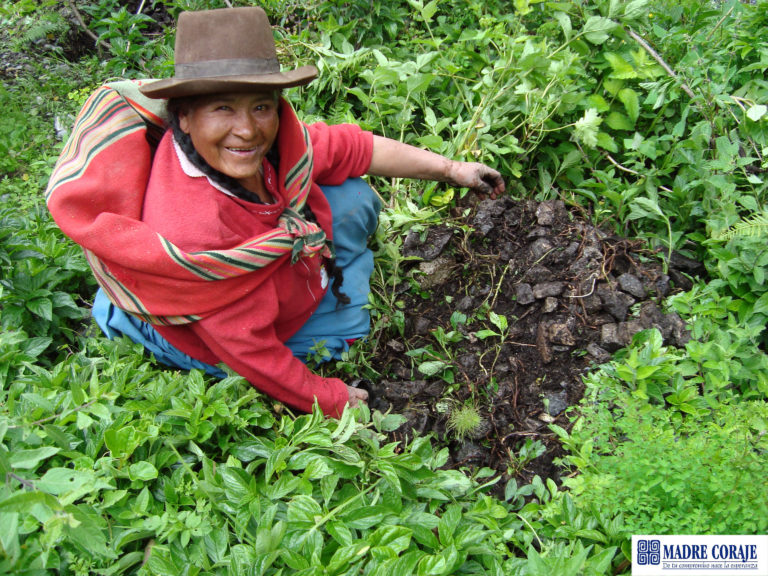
[(233, 132)]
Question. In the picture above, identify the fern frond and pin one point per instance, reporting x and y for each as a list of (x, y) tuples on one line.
[(755, 226), (46, 26)]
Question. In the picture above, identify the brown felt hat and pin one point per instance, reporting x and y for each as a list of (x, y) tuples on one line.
[(225, 50)]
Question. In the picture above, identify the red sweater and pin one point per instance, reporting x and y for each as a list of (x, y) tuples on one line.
[(183, 206)]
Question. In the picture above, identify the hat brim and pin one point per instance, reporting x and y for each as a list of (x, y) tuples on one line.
[(183, 87)]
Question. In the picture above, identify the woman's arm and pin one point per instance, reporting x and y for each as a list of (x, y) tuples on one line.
[(394, 159)]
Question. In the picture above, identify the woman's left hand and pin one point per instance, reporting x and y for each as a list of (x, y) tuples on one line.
[(479, 178)]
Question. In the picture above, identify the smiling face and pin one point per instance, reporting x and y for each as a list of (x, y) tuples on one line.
[(233, 133)]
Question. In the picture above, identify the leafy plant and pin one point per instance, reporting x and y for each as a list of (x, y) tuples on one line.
[(693, 476), (40, 273), (501, 324), (527, 453)]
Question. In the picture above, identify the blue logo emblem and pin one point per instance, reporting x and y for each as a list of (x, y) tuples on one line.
[(648, 552)]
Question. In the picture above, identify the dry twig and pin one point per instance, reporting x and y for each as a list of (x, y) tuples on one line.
[(87, 30), (640, 40)]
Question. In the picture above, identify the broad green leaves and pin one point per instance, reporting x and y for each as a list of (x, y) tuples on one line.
[(598, 29), (31, 458)]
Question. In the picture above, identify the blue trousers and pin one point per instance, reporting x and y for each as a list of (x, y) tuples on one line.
[(355, 208)]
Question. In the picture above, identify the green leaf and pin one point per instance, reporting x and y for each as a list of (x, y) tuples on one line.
[(498, 320), (522, 7), (121, 442), (142, 471), (33, 347), (597, 29), (340, 532), (595, 535), (59, 481), (28, 459), (600, 563), (432, 367), (618, 121), (756, 112), (249, 450), (606, 142), (345, 555), (236, 483), (123, 564), (644, 208), (388, 422), (483, 334), (565, 23), (429, 117), (9, 531), (761, 305), (631, 102), (442, 198), (431, 141), (429, 11), (455, 482), (396, 538), (89, 533), (598, 103), (366, 517), (405, 565), (25, 501), (83, 420), (303, 509), (636, 9), (41, 307), (432, 565), (622, 70)]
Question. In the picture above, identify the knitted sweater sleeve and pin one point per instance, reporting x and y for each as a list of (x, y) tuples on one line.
[(341, 151), (243, 336)]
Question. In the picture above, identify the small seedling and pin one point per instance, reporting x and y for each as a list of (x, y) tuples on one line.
[(502, 325), (529, 451)]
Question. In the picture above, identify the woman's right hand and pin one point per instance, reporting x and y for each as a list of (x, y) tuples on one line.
[(357, 395)]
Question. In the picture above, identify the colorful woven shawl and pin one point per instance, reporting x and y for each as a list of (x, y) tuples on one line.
[(96, 194)]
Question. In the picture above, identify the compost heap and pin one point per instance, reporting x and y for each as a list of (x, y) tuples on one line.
[(571, 294)]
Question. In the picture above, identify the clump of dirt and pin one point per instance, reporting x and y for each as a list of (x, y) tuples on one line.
[(571, 295)]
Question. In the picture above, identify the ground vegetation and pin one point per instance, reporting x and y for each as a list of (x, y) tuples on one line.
[(551, 372)]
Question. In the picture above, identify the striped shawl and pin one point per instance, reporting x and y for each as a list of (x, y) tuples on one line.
[(96, 194)]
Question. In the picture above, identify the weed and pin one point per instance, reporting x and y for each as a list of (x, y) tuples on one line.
[(528, 452), (699, 476), (465, 420), (501, 324)]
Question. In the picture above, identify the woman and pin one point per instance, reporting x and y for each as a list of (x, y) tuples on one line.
[(219, 244)]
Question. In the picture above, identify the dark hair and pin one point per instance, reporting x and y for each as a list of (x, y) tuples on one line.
[(177, 105)]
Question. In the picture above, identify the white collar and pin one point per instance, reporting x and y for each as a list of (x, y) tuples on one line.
[(193, 171)]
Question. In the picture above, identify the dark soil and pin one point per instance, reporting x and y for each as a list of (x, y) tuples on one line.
[(571, 294)]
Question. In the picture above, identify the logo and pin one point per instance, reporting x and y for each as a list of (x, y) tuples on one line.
[(707, 555), (648, 552)]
